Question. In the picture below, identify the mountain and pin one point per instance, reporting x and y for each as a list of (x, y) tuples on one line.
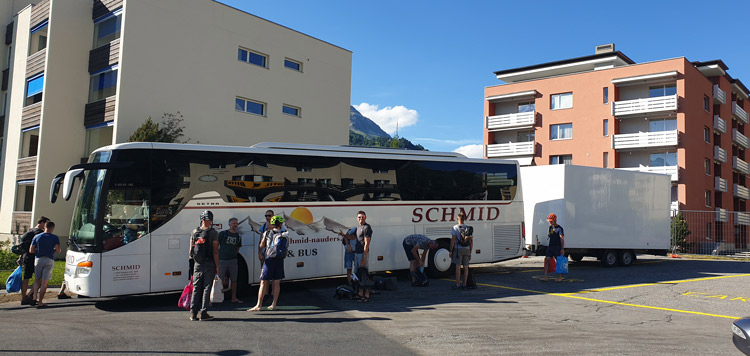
[(364, 126)]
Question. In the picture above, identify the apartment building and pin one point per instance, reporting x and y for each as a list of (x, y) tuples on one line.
[(673, 116), (82, 74)]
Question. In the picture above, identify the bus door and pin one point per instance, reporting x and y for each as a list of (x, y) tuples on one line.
[(127, 269)]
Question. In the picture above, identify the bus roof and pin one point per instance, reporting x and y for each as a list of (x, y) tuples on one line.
[(304, 149)]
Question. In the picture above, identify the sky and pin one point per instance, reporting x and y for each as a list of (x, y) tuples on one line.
[(425, 64)]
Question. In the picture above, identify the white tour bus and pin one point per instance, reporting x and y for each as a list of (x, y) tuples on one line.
[(138, 203)]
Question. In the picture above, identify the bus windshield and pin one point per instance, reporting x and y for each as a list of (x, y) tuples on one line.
[(83, 229)]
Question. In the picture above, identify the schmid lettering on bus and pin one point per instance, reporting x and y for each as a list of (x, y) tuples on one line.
[(449, 214), (125, 268)]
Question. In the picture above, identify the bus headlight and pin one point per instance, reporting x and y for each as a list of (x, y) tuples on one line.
[(84, 268)]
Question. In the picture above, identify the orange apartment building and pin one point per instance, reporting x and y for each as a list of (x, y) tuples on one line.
[(672, 116)]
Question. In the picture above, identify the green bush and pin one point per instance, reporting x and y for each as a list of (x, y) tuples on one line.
[(7, 258)]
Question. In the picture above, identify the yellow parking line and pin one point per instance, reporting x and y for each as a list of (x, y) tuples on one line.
[(657, 283), (704, 279)]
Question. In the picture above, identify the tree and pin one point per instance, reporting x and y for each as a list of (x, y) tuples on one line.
[(680, 232), (170, 131)]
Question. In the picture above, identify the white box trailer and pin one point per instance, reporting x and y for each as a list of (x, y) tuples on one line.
[(609, 214)]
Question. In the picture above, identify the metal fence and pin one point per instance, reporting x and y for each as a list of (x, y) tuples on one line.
[(721, 232)]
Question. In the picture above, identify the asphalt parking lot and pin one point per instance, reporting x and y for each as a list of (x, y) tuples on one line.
[(659, 305)]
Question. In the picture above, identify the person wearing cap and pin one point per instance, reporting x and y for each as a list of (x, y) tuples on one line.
[(205, 267), (275, 243), (556, 245)]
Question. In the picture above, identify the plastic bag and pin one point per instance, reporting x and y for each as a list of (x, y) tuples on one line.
[(13, 284), (552, 265), (217, 296), (187, 296), (562, 265)]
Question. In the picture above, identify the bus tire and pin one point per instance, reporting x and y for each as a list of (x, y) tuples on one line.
[(243, 284), (439, 263)]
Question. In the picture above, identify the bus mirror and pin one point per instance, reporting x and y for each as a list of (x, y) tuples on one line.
[(70, 177), (55, 188)]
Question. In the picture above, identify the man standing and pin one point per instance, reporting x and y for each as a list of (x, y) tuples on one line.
[(44, 246), (27, 260), (412, 244), (230, 242), (462, 243), (556, 244), (362, 249), (204, 249)]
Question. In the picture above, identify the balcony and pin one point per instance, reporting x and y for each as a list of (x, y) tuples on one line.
[(637, 107), (645, 140), (675, 206), (720, 184), (739, 114), (740, 139), (722, 215), (510, 149), (740, 166), (742, 218), (20, 222), (511, 121), (719, 95), (671, 170), (740, 192), (720, 125), (720, 154)]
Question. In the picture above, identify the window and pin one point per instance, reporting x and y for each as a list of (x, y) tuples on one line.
[(250, 106), (290, 110), (103, 85), (292, 64), (38, 38), (706, 134), (525, 136), (25, 196), (526, 107), (658, 125), (707, 166), (561, 132), (606, 127), (663, 159), (30, 142), (562, 159), (605, 162), (662, 90), (561, 101), (97, 136), (706, 103), (605, 95), (107, 28), (708, 229), (708, 198), (34, 86), (251, 57)]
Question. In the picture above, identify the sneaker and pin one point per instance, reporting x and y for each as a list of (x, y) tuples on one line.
[(63, 296), (193, 317), (205, 316), (25, 301)]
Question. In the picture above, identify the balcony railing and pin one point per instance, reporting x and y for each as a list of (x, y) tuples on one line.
[(722, 215), (645, 140), (740, 166), (510, 121), (720, 184), (742, 218), (671, 170), (741, 191), (720, 154), (645, 106), (510, 149), (720, 125), (739, 114), (740, 139), (719, 95)]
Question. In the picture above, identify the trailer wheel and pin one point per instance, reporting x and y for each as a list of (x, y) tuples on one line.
[(609, 258), (576, 257), (439, 264), (626, 257)]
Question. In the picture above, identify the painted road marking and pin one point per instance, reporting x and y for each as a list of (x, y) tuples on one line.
[(717, 296), (658, 283)]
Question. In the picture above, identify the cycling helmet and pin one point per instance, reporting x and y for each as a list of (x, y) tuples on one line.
[(277, 219), (552, 217), (207, 215)]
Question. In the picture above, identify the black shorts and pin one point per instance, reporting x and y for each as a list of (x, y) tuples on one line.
[(28, 266), (407, 249), (553, 251)]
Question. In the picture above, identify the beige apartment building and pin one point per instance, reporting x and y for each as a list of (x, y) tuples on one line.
[(82, 74), (673, 116)]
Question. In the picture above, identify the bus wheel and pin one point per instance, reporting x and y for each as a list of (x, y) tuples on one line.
[(439, 265), (243, 286)]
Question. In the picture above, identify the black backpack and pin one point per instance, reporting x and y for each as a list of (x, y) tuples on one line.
[(464, 238), (202, 248)]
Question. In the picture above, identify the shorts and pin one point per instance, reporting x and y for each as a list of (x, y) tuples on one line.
[(43, 268), (273, 269), (28, 266), (461, 256), (231, 267), (407, 249), (348, 260), (553, 251), (358, 261)]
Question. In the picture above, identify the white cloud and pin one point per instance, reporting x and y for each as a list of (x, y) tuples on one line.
[(389, 117), (471, 151)]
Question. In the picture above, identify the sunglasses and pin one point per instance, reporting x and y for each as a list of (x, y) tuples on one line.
[(268, 216)]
